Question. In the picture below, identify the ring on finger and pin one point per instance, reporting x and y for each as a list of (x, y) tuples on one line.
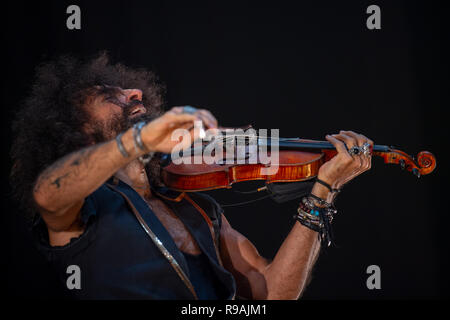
[(355, 150), (189, 109), (366, 149)]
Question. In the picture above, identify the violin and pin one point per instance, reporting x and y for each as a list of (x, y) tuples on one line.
[(298, 160)]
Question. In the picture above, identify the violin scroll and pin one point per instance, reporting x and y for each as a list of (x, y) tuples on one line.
[(427, 161), (423, 164)]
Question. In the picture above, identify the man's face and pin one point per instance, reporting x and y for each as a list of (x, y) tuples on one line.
[(115, 110)]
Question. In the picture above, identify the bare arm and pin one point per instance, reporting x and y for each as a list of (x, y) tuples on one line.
[(287, 275), (61, 188), (283, 278)]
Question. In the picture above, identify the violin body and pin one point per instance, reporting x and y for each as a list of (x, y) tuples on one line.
[(292, 166), (298, 160)]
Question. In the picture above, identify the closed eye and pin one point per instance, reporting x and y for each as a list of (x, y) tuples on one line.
[(115, 101)]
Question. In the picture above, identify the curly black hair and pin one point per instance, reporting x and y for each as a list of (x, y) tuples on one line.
[(48, 125)]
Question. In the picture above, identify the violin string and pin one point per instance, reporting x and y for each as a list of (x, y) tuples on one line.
[(228, 136), (231, 138), (316, 143), (217, 139)]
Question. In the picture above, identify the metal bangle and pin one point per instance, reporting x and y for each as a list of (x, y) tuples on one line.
[(137, 135), (146, 158), (120, 146)]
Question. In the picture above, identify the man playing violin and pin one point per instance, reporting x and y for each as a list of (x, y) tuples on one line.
[(95, 203)]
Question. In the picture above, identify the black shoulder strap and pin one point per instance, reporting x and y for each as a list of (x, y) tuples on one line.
[(156, 241)]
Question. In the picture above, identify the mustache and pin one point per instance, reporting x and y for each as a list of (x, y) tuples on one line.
[(128, 107), (148, 116)]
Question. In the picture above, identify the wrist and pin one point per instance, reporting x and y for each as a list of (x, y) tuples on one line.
[(129, 145), (320, 191), (333, 188), (147, 139), (317, 215)]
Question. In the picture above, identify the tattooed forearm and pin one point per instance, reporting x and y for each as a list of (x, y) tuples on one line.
[(57, 180), (76, 162), (83, 155), (75, 176), (55, 173)]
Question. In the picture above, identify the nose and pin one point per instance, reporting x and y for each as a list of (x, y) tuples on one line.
[(133, 94)]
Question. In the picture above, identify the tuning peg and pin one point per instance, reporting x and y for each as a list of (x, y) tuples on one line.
[(416, 172), (402, 164)]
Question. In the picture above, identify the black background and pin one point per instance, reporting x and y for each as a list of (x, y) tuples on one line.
[(307, 69)]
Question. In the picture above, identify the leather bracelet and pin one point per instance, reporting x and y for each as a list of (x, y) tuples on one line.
[(308, 224), (327, 186)]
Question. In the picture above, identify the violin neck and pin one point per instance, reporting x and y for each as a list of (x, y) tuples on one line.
[(322, 145)]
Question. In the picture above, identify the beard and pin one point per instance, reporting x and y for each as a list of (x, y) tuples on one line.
[(106, 131)]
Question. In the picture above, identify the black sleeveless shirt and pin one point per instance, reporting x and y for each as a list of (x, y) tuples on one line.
[(118, 259)]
